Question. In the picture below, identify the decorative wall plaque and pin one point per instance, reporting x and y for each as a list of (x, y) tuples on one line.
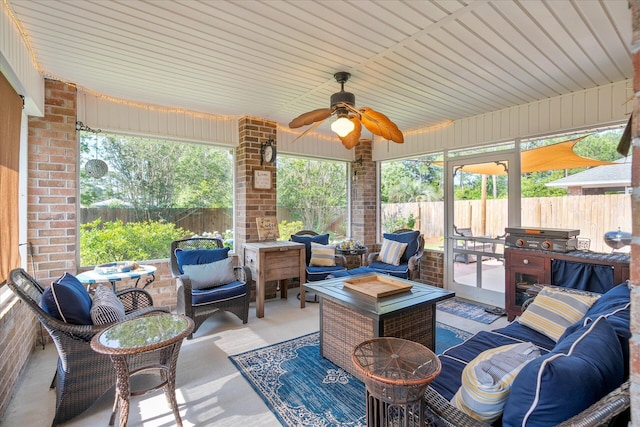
[(262, 180)]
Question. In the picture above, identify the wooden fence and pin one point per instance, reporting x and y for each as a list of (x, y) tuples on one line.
[(197, 221), (592, 215)]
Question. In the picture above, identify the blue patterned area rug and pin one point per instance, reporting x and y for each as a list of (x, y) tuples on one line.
[(303, 389), (467, 310)]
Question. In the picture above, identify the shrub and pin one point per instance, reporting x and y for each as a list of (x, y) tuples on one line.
[(286, 229), (134, 241)]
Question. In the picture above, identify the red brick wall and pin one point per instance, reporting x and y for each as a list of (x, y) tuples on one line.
[(52, 185), (364, 209), (432, 268)]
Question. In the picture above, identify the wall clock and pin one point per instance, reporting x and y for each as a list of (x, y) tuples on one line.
[(267, 152)]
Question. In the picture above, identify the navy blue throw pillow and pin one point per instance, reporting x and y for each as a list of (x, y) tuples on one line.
[(322, 239), (408, 237), (67, 300), (200, 256), (579, 371)]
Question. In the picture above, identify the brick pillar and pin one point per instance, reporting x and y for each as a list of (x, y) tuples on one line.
[(52, 185), (635, 209), (364, 206), (252, 203)]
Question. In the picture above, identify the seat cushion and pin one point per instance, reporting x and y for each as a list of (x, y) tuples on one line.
[(220, 293), (391, 252), (320, 273), (322, 239), (487, 380), (67, 300), (456, 358), (579, 371), (212, 274), (408, 237), (200, 256), (401, 270), (106, 307), (553, 311)]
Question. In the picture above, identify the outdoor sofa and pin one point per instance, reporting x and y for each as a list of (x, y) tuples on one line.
[(580, 377)]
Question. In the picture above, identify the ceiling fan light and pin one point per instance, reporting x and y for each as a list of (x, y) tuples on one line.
[(343, 126)]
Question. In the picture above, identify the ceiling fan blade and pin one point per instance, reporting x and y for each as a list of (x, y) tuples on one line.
[(380, 124), (310, 117), (315, 125), (352, 138)]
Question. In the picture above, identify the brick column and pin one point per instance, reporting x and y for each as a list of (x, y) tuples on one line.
[(364, 206), (635, 209), (52, 185), (252, 203)]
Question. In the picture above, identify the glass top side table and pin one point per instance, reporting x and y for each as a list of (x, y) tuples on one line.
[(129, 343), (396, 373)]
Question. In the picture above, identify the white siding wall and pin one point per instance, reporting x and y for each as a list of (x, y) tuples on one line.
[(18, 67), (111, 116), (589, 108)]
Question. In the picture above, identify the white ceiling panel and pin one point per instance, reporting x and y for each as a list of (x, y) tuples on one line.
[(418, 62)]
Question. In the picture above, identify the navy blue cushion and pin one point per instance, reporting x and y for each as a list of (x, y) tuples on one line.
[(408, 237), (323, 239), (219, 293), (353, 272), (200, 256), (580, 370), (456, 358), (320, 273), (67, 300), (401, 270)]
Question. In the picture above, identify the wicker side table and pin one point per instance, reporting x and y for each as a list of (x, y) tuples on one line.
[(396, 372), (143, 344)]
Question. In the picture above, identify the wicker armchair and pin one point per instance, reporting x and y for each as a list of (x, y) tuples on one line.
[(219, 299), (409, 270), (82, 375)]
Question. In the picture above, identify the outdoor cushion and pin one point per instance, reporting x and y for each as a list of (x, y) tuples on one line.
[(230, 290), (320, 273), (456, 358), (391, 251), (553, 311), (212, 274), (487, 379), (401, 270), (200, 256), (322, 255), (322, 239), (569, 379), (408, 237), (106, 307), (67, 300)]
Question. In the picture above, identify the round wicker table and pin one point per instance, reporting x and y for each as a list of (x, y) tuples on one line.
[(396, 373), (140, 345)]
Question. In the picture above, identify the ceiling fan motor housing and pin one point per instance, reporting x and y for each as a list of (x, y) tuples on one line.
[(343, 97)]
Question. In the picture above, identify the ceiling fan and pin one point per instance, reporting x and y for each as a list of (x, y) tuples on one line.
[(348, 126)]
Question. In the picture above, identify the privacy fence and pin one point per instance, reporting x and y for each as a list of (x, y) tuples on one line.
[(592, 215)]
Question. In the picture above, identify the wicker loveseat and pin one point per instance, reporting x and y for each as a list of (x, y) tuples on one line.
[(580, 380)]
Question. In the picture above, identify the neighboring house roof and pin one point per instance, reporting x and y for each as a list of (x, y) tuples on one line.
[(617, 175)]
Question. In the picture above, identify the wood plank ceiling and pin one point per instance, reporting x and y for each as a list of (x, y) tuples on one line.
[(419, 62)]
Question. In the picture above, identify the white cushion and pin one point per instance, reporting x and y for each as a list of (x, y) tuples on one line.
[(204, 276), (391, 251), (106, 306), (487, 379)]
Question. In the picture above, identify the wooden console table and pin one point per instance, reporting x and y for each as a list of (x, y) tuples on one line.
[(275, 261)]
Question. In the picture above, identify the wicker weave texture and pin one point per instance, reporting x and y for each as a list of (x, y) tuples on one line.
[(342, 330), (413, 325)]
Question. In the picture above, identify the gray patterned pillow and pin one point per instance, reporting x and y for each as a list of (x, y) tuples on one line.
[(106, 307)]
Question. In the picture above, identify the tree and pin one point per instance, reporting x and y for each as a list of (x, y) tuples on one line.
[(313, 191)]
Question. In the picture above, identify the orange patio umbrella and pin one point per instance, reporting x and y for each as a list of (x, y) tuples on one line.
[(550, 157)]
